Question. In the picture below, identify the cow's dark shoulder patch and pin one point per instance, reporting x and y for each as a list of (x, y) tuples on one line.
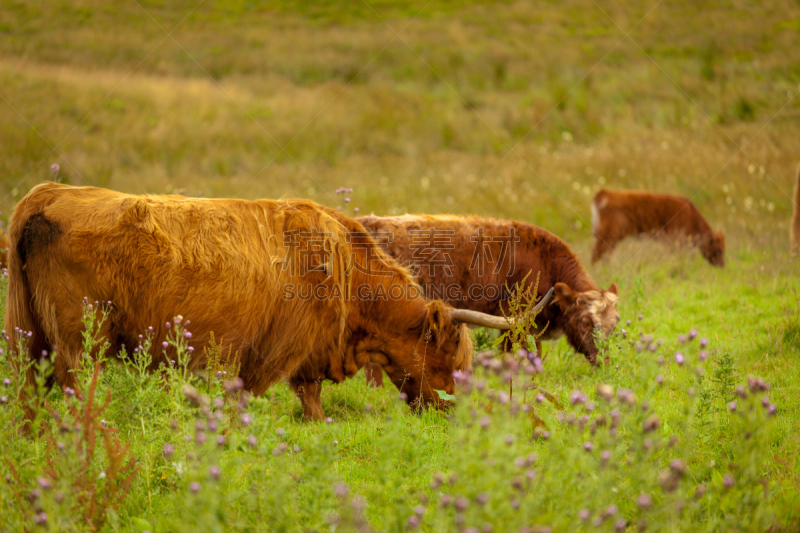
[(38, 234)]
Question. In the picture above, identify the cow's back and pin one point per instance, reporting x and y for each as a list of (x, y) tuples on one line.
[(476, 259)]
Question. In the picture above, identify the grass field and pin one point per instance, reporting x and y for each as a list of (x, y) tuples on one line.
[(515, 110)]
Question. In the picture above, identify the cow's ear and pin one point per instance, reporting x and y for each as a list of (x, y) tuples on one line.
[(565, 296), (613, 289)]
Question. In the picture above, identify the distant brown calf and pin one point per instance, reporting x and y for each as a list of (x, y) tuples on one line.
[(794, 229), (619, 214)]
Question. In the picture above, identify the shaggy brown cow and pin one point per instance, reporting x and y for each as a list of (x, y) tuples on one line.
[(794, 226), (467, 262), (275, 280), (619, 214)]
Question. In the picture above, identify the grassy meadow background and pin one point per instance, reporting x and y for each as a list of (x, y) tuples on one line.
[(518, 110)]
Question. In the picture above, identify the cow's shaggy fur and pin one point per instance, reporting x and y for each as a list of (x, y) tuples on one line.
[(619, 214), (579, 307), (794, 226), (225, 265)]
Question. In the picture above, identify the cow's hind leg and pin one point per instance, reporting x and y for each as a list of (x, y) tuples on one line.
[(374, 374), (603, 244), (309, 393)]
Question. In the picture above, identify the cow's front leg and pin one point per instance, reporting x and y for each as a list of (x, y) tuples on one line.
[(374, 374), (309, 393)]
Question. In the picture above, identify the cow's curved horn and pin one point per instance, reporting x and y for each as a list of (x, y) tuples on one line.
[(491, 321)]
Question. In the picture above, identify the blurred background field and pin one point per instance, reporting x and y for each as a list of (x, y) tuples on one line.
[(518, 110), (513, 109)]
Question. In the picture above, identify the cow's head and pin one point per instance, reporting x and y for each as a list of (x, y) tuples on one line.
[(714, 249), (421, 358), (586, 312)]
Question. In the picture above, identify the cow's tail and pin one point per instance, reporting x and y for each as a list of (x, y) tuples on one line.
[(795, 223), (26, 338)]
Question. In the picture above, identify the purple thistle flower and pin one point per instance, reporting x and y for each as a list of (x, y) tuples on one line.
[(341, 490), (732, 406), (165, 344), (765, 401), (692, 334), (40, 518), (194, 486), (221, 440), (233, 385), (679, 358), (728, 481), (659, 379), (213, 470), (703, 355), (187, 334), (620, 525), (54, 168), (169, 449), (587, 446), (482, 498), (3, 400), (461, 503), (200, 437), (44, 483), (682, 338), (644, 501), (772, 409), (413, 521), (605, 456), (252, 440), (577, 397), (584, 514), (484, 422), (246, 419), (509, 440), (540, 398), (703, 342)]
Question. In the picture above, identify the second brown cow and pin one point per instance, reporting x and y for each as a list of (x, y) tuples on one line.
[(467, 262)]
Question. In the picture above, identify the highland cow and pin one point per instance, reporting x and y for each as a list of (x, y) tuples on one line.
[(469, 261), (619, 214), (279, 282)]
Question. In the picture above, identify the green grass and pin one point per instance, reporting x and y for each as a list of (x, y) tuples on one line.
[(515, 110)]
